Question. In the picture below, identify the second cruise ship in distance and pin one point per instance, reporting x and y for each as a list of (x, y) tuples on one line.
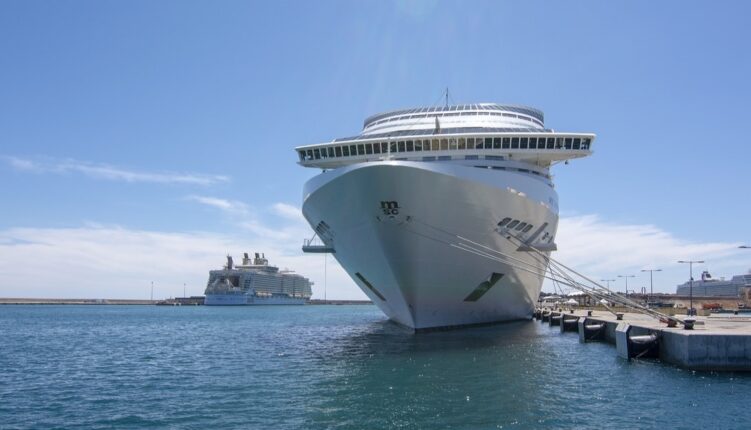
[(443, 216)]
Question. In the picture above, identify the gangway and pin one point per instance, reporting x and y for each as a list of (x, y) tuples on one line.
[(316, 246)]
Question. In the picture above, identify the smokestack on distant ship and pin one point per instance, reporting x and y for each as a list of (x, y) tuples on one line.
[(246, 260), (230, 265)]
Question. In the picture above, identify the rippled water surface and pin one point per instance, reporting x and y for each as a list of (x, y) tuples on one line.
[(331, 367)]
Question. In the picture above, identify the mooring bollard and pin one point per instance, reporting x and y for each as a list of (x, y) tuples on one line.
[(688, 323), (589, 313), (619, 316)]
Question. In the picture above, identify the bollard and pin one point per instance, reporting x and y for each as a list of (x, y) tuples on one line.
[(589, 313), (688, 323), (619, 316)]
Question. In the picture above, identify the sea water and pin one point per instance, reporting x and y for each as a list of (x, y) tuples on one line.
[(278, 367)]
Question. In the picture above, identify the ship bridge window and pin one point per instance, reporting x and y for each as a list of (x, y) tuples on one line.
[(523, 143), (338, 151), (331, 151), (568, 143), (361, 149), (506, 143), (392, 146), (521, 226), (368, 148), (353, 150), (345, 150), (532, 143), (410, 146), (527, 228), (585, 143), (514, 143), (513, 223), (418, 145), (504, 222), (377, 148), (462, 143), (488, 143), (384, 147), (496, 143), (434, 145), (558, 143), (310, 154), (302, 155), (400, 145), (479, 143), (470, 142), (577, 143)]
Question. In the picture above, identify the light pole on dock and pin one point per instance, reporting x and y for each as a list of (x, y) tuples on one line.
[(152, 291), (608, 282), (690, 283), (650, 282), (626, 278)]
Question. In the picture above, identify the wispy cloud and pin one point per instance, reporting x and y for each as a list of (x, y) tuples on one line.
[(109, 172), (233, 207)]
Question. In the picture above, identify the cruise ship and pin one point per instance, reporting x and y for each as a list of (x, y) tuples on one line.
[(255, 283), (443, 216), (710, 287)]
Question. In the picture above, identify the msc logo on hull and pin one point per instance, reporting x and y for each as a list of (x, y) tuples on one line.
[(390, 207)]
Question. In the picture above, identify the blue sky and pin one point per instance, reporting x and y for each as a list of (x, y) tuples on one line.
[(125, 126)]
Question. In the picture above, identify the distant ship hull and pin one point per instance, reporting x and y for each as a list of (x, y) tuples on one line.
[(245, 300), (407, 261)]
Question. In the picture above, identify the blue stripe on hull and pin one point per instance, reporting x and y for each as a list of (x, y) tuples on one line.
[(243, 300)]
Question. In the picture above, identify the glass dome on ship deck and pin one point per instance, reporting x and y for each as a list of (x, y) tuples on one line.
[(424, 112)]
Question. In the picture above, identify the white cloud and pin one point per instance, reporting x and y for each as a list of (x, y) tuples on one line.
[(288, 211), (101, 261), (105, 171), (229, 206)]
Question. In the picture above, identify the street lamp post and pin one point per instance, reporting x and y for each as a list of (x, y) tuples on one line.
[(608, 281), (651, 292), (690, 263), (626, 278)]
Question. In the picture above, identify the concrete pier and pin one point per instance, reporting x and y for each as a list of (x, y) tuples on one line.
[(716, 342)]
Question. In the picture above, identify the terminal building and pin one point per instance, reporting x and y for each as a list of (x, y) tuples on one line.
[(709, 287)]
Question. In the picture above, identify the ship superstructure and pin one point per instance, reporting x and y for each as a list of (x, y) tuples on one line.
[(255, 283), (423, 204)]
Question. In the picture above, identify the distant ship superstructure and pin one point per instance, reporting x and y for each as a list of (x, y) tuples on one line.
[(255, 284), (710, 287)]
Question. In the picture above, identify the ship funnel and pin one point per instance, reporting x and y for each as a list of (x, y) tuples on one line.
[(229, 262), (246, 260)]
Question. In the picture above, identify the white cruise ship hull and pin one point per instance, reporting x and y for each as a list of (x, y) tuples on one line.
[(409, 262), (247, 299)]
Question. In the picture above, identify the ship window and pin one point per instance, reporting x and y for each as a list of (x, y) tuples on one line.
[(513, 223), (345, 150), (496, 143), (376, 148), (470, 142), (532, 143), (384, 147), (368, 148), (568, 143), (302, 155), (317, 154), (577, 143), (452, 143), (558, 143), (462, 143), (523, 143), (479, 143), (310, 154), (400, 145), (527, 228), (521, 226), (353, 150), (324, 153), (410, 146), (331, 152), (471, 157), (506, 143), (585, 143), (514, 143), (488, 143), (338, 151), (444, 158), (444, 144), (392, 146), (434, 145), (418, 145), (504, 222), (361, 149), (551, 143)]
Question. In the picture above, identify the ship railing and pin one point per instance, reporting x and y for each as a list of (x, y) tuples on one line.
[(316, 246)]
